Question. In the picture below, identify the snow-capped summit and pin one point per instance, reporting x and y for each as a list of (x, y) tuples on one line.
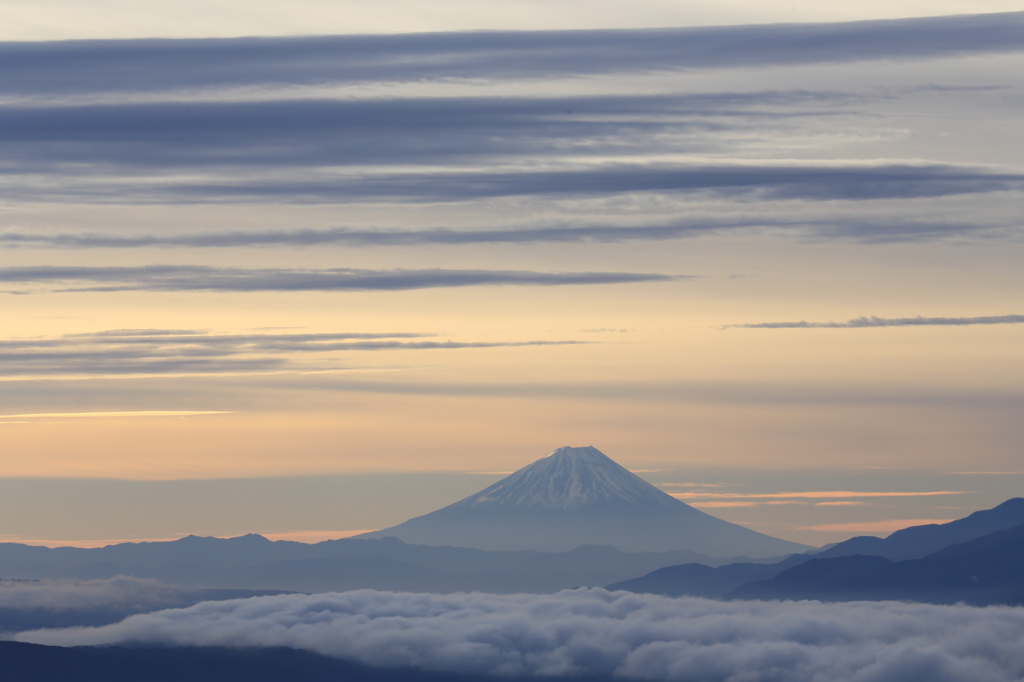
[(579, 496), (569, 478)]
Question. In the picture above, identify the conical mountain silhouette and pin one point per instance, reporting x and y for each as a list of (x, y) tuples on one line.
[(579, 496)]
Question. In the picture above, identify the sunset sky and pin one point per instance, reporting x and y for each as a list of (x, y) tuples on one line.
[(318, 270)]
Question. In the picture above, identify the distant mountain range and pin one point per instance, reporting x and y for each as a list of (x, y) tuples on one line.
[(579, 496), (574, 493), (977, 560), (987, 570), (570, 519), (255, 563)]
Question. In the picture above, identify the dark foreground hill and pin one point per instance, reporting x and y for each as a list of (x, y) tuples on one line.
[(34, 663), (978, 559), (578, 496)]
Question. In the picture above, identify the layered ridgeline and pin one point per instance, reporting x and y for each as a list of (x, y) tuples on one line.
[(977, 560), (579, 496)]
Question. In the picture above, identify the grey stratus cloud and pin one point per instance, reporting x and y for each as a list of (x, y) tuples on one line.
[(873, 321), (206, 278), (154, 65), (592, 632), (128, 352)]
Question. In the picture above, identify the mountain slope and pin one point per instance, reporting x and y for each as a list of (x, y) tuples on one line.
[(977, 532), (919, 541), (579, 496), (983, 571), (698, 580)]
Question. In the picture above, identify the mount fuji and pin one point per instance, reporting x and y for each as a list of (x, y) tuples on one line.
[(579, 496)]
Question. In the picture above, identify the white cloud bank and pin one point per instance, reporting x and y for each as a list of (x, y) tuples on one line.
[(596, 632)]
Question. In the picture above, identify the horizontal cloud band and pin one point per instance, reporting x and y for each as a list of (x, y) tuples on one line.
[(815, 494), (203, 278), (888, 230), (599, 633), (393, 131), (154, 65)]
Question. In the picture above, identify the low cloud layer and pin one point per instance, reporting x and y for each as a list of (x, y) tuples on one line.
[(205, 278), (889, 322), (595, 632)]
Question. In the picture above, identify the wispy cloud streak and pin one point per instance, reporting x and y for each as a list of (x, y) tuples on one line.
[(765, 181), (811, 181), (204, 278), (872, 321), (167, 352), (812, 494), (886, 526), (107, 415), (354, 237)]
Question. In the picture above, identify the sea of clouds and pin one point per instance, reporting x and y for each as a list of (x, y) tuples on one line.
[(593, 632)]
